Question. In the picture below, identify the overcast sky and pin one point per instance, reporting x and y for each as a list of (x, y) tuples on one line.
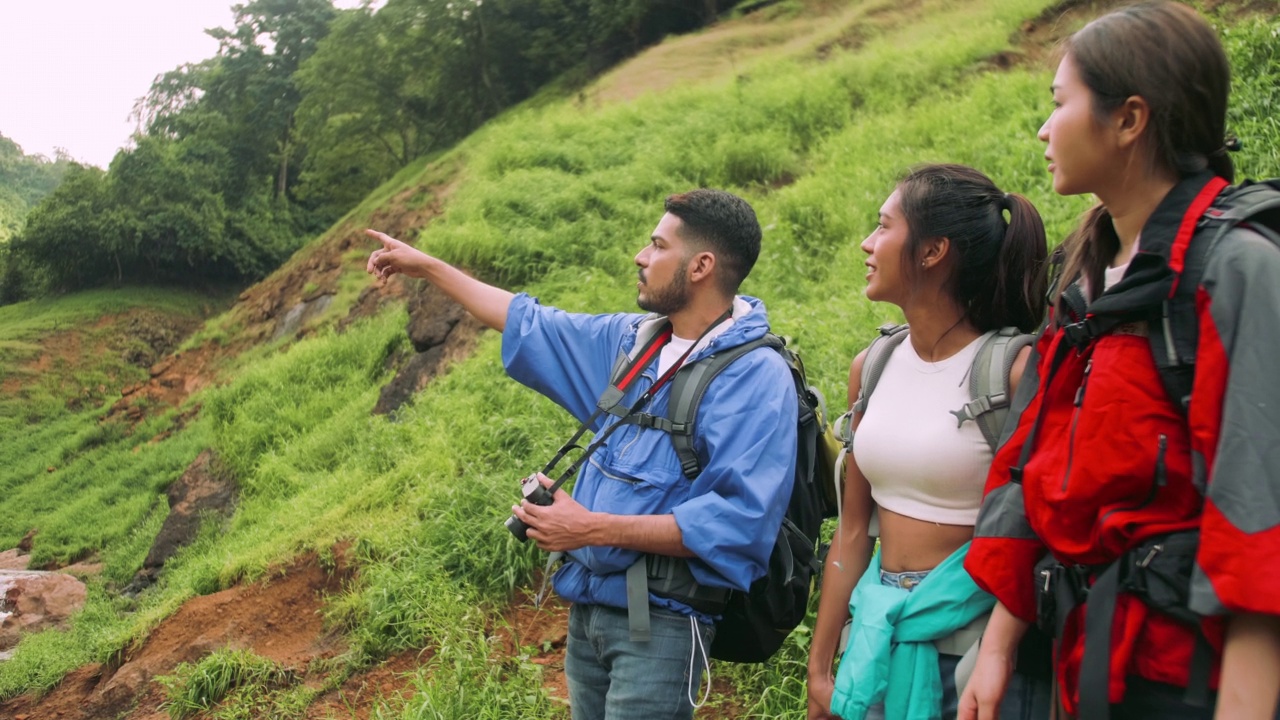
[(70, 70)]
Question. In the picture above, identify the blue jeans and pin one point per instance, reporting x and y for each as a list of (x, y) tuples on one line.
[(612, 678), (1025, 699)]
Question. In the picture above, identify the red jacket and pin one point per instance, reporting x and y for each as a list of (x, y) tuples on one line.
[(1114, 460)]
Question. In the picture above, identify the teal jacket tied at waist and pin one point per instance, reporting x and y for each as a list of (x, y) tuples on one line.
[(891, 657)]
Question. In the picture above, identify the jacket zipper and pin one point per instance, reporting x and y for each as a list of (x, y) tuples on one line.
[(622, 451), (611, 476), (1161, 479), (1170, 351), (1075, 420)]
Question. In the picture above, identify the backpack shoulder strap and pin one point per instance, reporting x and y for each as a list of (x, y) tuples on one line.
[(687, 388), (1175, 334), (989, 383), (878, 352)]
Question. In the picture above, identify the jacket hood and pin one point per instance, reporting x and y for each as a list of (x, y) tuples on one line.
[(748, 322)]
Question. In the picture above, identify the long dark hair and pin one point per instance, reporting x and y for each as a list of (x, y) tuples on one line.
[(1167, 54), (998, 274)]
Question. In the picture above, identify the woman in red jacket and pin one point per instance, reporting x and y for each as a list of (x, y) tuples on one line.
[(1142, 530)]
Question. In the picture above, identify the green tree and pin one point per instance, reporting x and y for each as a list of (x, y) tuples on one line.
[(245, 98), (63, 244), (24, 180), (385, 88)]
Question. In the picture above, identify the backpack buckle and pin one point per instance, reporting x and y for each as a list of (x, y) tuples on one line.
[(1078, 334), (1151, 555), (690, 467), (979, 406)]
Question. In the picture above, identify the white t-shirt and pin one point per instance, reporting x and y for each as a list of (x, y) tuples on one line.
[(917, 459), (671, 352), (1113, 275)]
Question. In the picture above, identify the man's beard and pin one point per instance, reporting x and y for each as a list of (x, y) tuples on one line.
[(668, 299)]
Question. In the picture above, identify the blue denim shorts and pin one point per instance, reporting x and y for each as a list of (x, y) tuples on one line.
[(1025, 698), (904, 580)]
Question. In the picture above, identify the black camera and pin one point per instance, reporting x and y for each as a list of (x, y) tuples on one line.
[(532, 491)]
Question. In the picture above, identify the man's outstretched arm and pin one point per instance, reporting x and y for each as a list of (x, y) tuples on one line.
[(488, 303)]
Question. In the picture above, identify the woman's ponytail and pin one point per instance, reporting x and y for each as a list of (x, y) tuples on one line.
[(1087, 251), (998, 274), (1020, 267)]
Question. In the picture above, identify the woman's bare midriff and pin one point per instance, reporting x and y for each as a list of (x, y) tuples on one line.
[(910, 545)]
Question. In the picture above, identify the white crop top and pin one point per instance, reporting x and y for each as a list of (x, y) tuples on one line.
[(908, 445)]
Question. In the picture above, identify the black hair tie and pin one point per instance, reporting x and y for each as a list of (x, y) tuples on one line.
[(1230, 144)]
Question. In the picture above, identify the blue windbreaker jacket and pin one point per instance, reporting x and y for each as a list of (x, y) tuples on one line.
[(745, 435)]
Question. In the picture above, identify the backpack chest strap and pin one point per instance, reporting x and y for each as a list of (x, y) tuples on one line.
[(979, 406)]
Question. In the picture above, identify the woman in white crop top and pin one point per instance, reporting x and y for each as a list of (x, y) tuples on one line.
[(961, 259)]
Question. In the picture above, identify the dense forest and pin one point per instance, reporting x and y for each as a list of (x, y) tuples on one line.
[(244, 156), (24, 181)]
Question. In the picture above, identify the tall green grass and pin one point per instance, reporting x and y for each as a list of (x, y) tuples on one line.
[(553, 199), (81, 481), (199, 687)]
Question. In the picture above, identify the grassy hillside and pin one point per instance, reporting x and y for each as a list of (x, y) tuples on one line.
[(812, 121), (65, 361)]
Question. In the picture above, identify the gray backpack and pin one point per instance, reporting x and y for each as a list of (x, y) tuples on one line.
[(988, 379), (988, 386)]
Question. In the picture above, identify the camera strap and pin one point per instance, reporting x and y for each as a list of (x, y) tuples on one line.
[(608, 403), (612, 397)]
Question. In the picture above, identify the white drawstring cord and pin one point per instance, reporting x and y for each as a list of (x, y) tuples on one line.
[(698, 650)]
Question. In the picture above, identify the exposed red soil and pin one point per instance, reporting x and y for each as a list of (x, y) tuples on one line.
[(14, 559), (63, 351), (1037, 40), (63, 344), (278, 618), (259, 312), (173, 379), (388, 684), (542, 632)]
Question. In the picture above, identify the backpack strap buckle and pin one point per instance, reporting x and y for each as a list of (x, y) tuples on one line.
[(690, 466), (1081, 333), (650, 421), (979, 406)]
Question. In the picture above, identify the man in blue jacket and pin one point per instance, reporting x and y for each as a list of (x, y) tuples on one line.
[(631, 500)]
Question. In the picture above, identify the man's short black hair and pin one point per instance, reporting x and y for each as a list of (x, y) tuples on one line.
[(723, 223)]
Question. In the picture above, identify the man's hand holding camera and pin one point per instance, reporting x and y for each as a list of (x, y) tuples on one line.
[(561, 526)]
